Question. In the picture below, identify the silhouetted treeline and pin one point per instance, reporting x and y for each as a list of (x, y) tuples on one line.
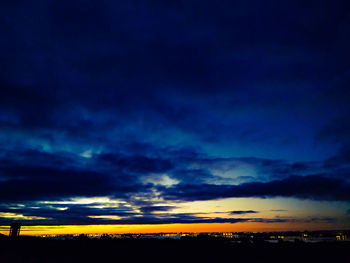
[(202, 248)]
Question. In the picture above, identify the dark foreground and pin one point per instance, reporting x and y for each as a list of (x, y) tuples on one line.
[(29, 249)]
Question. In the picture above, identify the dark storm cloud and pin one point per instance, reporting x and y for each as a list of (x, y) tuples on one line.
[(337, 130), (341, 159), (34, 175), (139, 164), (103, 46), (15, 158), (316, 187), (194, 175), (94, 97), (37, 183)]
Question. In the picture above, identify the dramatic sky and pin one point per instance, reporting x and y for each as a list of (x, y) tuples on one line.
[(148, 116)]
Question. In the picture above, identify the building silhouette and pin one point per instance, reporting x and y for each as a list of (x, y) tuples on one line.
[(15, 229)]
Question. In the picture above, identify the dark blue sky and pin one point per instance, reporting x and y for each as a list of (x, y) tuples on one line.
[(155, 103)]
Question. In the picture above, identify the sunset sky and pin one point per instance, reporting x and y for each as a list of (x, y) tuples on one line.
[(174, 116)]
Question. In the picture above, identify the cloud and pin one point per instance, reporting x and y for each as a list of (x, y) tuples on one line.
[(88, 214), (316, 187), (24, 173), (47, 183), (274, 220), (151, 101), (98, 73), (100, 213), (152, 209), (341, 159), (139, 164), (324, 219), (241, 212)]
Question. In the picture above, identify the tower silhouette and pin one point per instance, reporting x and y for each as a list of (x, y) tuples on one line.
[(14, 230)]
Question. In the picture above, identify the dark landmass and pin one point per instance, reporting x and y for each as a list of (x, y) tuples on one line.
[(188, 249)]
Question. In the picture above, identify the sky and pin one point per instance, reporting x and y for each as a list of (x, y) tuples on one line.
[(174, 116)]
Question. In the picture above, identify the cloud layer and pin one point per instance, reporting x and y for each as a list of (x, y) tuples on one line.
[(154, 104)]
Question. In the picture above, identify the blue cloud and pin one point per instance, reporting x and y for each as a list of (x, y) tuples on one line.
[(223, 100)]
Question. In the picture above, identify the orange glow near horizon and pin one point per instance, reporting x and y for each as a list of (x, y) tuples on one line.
[(294, 215), (165, 228)]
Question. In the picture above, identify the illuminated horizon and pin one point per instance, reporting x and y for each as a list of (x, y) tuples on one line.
[(293, 219), (154, 229)]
